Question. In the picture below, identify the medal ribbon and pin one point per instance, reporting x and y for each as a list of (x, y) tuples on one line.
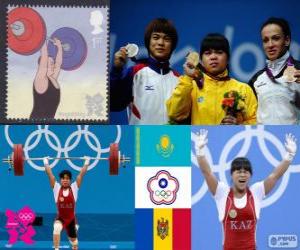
[(289, 62)]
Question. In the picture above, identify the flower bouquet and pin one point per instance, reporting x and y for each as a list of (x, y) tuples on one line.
[(234, 105)]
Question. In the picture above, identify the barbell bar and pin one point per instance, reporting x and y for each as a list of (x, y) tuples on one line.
[(16, 159), (18, 29)]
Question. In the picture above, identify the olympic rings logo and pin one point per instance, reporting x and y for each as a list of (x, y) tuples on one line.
[(246, 136), (163, 194), (26, 216), (62, 150)]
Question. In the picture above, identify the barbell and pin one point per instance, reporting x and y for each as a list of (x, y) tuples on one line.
[(16, 160), (27, 34)]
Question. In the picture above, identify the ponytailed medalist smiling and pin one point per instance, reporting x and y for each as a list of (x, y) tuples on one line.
[(277, 86)]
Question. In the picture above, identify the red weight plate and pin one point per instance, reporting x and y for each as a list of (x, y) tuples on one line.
[(114, 162), (18, 160), (26, 31)]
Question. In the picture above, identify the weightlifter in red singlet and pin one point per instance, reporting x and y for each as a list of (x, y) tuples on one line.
[(239, 206), (65, 195)]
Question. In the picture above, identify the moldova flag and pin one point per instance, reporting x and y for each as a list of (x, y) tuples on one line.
[(163, 188)]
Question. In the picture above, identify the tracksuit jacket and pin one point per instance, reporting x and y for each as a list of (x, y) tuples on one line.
[(204, 105), (144, 88)]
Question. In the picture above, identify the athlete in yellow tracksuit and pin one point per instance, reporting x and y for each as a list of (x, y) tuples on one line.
[(205, 105), (202, 101)]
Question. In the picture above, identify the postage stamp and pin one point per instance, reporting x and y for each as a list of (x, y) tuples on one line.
[(57, 62)]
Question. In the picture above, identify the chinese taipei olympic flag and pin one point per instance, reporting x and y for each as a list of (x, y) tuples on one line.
[(162, 188)]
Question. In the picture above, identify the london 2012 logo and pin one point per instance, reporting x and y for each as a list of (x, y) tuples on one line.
[(163, 188), (19, 226)]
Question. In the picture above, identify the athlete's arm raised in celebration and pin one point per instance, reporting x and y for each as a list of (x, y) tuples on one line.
[(291, 148), (210, 178), (49, 171), (83, 170)]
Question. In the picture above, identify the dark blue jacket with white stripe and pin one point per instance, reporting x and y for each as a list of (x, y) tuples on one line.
[(144, 88)]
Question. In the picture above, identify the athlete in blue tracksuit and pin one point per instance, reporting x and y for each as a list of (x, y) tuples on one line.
[(146, 86)]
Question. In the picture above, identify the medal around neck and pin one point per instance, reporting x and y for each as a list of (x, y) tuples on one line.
[(289, 74), (232, 213), (193, 59)]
